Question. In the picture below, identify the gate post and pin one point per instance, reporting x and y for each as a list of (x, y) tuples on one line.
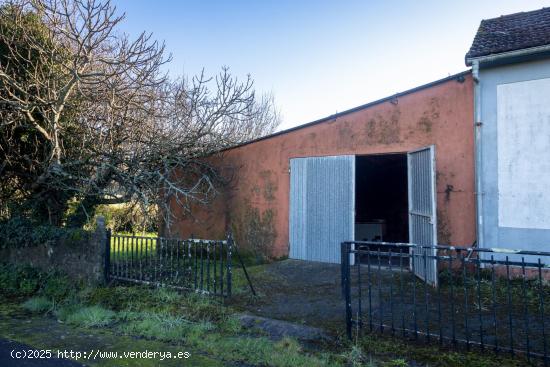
[(229, 255), (342, 268), (107, 265), (345, 264), (102, 249)]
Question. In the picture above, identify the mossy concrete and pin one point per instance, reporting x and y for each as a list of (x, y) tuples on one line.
[(47, 333), (302, 292)]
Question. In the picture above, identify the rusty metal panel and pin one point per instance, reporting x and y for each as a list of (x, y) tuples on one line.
[(322, 203), (422, 212)]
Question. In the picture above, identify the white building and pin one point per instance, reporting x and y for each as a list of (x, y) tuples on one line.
[(510, 58)]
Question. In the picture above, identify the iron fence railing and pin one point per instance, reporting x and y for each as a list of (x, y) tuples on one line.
[(486, 298), (189, 264)]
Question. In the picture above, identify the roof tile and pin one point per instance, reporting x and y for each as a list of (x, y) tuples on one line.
[(511, 32)]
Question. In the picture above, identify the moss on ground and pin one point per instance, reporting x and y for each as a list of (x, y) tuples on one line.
[(160, 319), (389, 350), (47, 333)]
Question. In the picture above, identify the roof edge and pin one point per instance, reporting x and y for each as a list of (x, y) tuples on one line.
[(508, 54), (351, 110)]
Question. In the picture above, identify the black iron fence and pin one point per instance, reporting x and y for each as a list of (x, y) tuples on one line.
[(187, 264), (491, 299)]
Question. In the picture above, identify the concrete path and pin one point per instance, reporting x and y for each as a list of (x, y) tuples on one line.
[(278, 329)]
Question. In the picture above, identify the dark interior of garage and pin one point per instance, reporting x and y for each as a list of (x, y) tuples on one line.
[(381, 198)]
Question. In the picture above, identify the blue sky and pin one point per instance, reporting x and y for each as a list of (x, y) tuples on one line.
[(318, 57)]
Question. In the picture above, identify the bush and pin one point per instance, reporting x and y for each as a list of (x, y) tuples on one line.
[(57, 286), (166, 295), (93, 316), (120, 297), (25, 281), (22, 232), (127, 218), (38, 304), (135, 298), (19, 280), (199, 307), (162, 326), (64, 311), (230, 324)]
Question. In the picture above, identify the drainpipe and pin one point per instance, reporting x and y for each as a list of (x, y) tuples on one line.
[(478, 153)]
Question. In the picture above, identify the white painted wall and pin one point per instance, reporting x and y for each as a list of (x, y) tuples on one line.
[(523, 138), (513, 168)]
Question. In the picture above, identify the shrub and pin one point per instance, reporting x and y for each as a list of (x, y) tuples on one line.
[(25, 281), (57, 286), (120, 298), (94, 316), (166, 295), (22, 232), (231, 324), (64, 311), (199, 307), (161, 326), (355, 356), (127, 218), (38, 304), (17, 280)]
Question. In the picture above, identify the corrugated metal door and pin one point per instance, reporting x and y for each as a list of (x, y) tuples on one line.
[(422, 212), (322, 199)]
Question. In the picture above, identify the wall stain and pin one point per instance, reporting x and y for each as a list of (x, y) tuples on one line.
[(254, 230), (430, 116), (383, 131), (448, 191), (269, 186), (443, 229), (346, 136), (255, 189), (425, 124)]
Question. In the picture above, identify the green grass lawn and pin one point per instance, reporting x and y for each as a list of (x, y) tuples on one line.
[(123, 243), (193, 322)]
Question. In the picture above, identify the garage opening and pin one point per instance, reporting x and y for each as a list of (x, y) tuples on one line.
[(381, 200)]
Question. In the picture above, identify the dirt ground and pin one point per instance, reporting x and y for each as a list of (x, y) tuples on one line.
[(300, 291), (310, 293)]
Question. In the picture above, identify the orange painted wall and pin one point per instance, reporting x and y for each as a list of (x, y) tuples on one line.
[(441, 114)]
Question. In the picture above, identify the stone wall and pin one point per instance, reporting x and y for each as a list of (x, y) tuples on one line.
[(80, 259)]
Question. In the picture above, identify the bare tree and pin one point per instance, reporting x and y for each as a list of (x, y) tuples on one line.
[(106, 125)]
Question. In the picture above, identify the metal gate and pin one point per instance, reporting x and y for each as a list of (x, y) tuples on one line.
[(199, 265), (497, 302), (422, 213), (322, 201)]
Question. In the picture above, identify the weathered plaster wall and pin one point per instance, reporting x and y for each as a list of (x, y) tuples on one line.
[(256, 205), (530, 147)]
